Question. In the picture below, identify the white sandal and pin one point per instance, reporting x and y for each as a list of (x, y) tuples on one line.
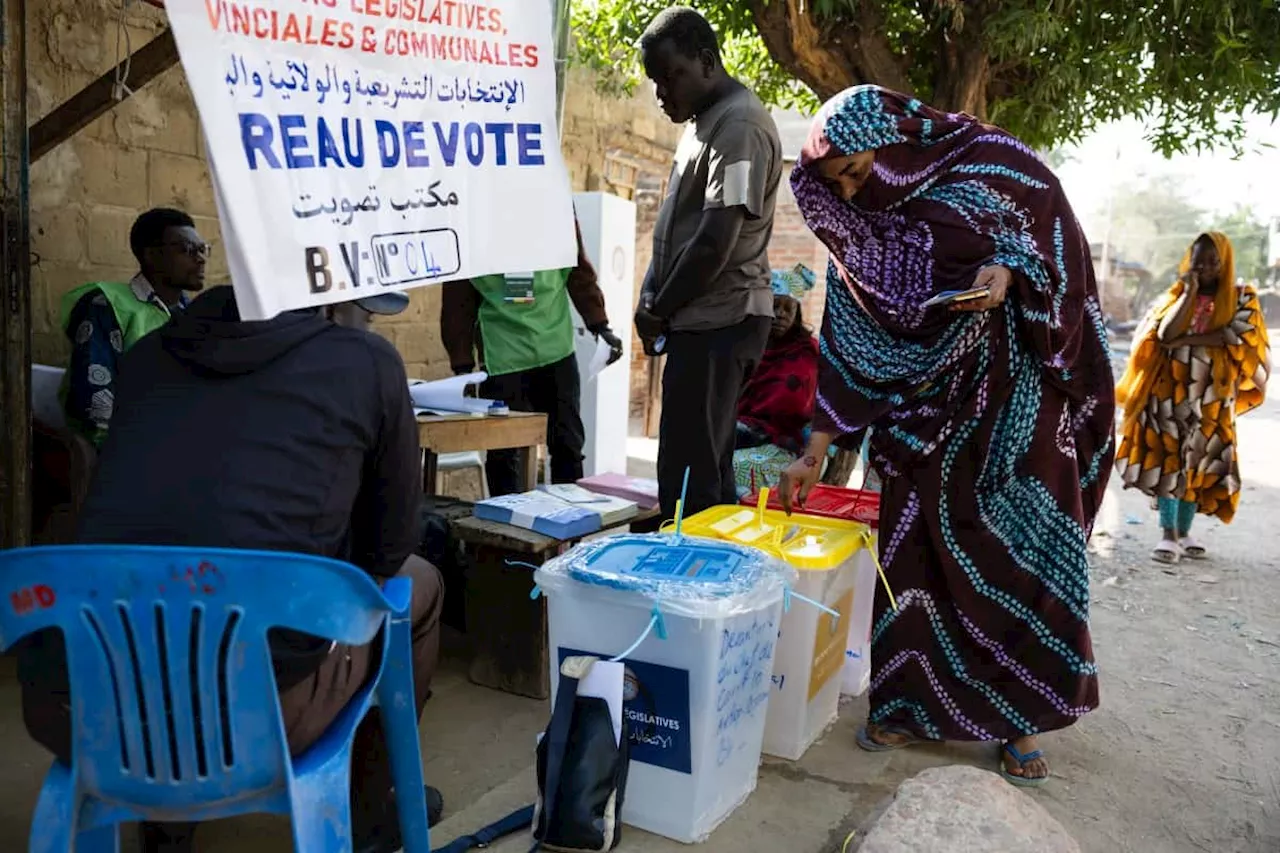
[(1193, 549), (1168, 552)]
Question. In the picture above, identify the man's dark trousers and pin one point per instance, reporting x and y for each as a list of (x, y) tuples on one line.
[(701, 384), (556, 391)]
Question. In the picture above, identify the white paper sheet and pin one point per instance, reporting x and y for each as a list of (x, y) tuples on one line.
[(599, 359), (573, 494), (449, 395), (604, 681)]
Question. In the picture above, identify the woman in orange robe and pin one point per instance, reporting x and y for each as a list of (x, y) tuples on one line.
[(1199, 361)]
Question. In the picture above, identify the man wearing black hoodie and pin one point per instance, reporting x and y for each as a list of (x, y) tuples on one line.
[(290, 434)]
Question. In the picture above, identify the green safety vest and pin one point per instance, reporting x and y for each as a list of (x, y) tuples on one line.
[(524, 320), (137, 319)]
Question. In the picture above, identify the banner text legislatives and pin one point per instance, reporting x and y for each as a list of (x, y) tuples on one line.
[(450, 13), (299, 26), (290, 142)]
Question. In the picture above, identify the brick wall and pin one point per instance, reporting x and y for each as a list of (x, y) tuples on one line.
[(148, 152), (86, 193), (793, 243)]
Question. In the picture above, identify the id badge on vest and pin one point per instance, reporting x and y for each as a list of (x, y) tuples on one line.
[(518, 288)]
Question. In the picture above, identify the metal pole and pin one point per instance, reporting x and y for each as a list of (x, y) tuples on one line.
[(15, 283), (560, 44)]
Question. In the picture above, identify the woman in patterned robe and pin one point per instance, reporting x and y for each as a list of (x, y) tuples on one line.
[(1199, 361), (992, 418)]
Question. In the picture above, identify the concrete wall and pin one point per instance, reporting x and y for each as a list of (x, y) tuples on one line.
[(148, 152)]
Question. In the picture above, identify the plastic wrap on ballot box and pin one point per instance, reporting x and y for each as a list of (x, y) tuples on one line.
[(696, 622), (815, 630), (854, 505)]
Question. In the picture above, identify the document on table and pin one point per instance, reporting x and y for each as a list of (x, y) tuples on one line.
[(449, 395)]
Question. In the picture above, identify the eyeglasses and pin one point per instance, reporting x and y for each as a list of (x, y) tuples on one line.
[(194, 251)]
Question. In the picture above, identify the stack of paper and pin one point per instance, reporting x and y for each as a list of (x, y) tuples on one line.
[(612, 510), (643, 492), (448, 396), (541, 513)]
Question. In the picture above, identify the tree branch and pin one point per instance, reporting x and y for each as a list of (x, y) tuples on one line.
[(830, 56)]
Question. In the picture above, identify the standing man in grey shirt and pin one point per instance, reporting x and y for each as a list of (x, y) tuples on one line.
[(707, 293)]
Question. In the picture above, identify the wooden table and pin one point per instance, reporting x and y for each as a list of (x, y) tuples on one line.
[(508, 629), (521, 431)]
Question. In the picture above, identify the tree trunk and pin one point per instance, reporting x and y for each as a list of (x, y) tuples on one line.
[(964, 70), (831, 55)]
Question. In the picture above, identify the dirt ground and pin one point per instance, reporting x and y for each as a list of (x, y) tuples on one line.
[(1183, 755)]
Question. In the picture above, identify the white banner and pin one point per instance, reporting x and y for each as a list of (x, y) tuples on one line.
[(357, 145)]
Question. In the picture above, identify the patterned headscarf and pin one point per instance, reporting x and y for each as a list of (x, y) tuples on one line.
[(795, 282), (948, 195)]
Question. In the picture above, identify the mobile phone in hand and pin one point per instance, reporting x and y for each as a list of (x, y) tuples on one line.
[(956, 297)]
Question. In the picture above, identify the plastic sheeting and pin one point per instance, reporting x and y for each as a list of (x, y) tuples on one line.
[(681, 575)]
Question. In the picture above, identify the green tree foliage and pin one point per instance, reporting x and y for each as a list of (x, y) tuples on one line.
[(1154, 221), (1048, 70), (1249, 233)]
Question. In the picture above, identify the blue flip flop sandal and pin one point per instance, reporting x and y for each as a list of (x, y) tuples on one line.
[(1022, 759), (865, 741)]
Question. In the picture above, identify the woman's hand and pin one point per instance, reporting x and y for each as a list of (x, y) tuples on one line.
[(803, 474), (996, 280), (1179, 317), (1209, 339)]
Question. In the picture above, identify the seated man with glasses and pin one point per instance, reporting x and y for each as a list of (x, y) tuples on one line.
[(105, 319)]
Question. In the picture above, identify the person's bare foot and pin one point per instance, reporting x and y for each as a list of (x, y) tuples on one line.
[(1034, 768)]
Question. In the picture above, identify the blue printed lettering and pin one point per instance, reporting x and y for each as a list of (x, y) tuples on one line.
[(388, 143), (256, 136), (295, 143), (499, 132), (473, 139), (354, 157), (328, 146), (415, 146), (529, 145), (658, 715), (449, 144)]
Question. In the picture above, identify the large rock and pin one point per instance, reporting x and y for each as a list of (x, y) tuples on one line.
[(963, 810)]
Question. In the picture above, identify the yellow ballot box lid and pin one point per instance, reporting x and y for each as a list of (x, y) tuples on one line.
[(807, 542)]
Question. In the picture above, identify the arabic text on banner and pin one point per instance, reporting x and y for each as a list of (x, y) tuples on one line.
[(358, 145)]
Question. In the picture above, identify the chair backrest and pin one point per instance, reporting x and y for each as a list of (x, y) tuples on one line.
[(46, 382), (173, 696)]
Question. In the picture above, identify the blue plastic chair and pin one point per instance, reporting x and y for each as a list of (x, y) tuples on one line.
[(174, 708)]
